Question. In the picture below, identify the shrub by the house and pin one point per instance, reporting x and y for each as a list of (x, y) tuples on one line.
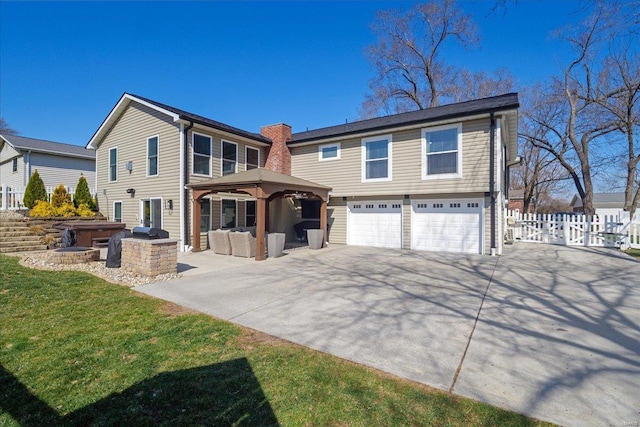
[(60, 197), (35, 191), (42, 209), (83, 195)]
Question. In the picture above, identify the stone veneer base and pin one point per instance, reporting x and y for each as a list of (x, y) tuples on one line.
[(150, 257)]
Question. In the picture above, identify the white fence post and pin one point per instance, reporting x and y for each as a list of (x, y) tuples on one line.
[(5, 197)]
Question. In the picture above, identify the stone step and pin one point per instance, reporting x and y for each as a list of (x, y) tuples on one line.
[(13, 229), (6, 241), (15, 243), (13, 233), (23, 248)]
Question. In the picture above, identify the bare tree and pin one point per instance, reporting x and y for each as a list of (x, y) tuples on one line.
[(409, 72), (567, 113), (618, 93), (5, 129), (540, 175)]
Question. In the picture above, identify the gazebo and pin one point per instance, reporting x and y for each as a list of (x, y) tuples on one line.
[(265, 185)]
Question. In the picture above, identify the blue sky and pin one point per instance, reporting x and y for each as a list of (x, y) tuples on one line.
[(63, 65)]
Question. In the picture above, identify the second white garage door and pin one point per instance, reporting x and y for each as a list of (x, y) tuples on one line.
[(450, 225), (376, 224)]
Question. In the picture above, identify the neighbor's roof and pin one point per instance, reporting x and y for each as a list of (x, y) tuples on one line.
[(21, 143), (254, 177), (602, 200), (469, 108), (175, 113)]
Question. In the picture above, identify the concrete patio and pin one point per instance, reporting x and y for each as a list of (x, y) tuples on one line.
[(557, 334)]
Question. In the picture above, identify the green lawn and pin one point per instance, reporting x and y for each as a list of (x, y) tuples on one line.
[(633, 252), (76, 350)]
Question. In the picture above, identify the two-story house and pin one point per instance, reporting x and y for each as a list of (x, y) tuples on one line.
[(432, 179), (56, 163)]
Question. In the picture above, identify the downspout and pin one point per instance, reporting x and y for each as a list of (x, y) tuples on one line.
[(492, 182), (184, 180), (25, 179)]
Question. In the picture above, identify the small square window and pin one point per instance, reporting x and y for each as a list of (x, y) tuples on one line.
[(329, 152)]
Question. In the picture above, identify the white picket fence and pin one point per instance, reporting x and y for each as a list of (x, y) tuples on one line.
[(574, 230), (11, 198)]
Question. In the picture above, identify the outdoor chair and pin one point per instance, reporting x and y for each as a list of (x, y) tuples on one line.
[(219, 242), (243, 244)]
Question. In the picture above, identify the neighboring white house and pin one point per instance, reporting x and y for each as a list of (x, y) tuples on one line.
[(604, 203), (57, 163)]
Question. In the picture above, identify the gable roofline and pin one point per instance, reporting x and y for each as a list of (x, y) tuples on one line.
[(22, 144), (176, 114), (501, 103)]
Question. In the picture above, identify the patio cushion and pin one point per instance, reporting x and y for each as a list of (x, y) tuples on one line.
[(243, 244), (219, 242)]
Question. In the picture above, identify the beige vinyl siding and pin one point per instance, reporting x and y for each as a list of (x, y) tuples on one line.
[(216, 161), (56, 170), (344, 175), (337, 221), (129, 134)]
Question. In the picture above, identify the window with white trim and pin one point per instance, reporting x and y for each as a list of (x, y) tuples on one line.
[(442, 152), (252, 158), (205, 215), (117, 211), (113, 164), (152, 156), (329, 152), (229, 213), (201, 154), (229, 157), (376, 158), (250, 213), (14, 165)]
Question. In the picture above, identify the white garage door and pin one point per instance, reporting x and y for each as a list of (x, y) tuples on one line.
[(376, 224), (449, 225)]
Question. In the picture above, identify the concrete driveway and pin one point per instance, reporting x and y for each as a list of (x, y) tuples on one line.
[(548, 331)]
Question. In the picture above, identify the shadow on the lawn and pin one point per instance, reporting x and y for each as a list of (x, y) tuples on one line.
[(226, 393)]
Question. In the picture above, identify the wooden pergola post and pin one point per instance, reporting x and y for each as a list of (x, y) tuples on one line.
[(323, 221), (260, 228)]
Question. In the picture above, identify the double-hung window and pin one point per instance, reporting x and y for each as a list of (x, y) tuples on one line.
[(14, 165), (252, 158), (442, 152), (205, 215), (250, 213), (229, 157), (376, 158), (152, 156), (201, 155), (228, 214), (113, 164)]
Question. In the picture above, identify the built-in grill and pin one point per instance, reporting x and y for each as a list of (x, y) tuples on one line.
[(149, 233)]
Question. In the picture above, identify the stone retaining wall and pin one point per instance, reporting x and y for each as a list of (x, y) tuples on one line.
[(74, 257), (150, 257)]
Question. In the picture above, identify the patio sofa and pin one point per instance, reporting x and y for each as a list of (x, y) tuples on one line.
[(219, 242), (242, 244)]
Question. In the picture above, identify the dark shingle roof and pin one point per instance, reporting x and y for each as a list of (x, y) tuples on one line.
[(461, 109), (205, 121), (39, 145)]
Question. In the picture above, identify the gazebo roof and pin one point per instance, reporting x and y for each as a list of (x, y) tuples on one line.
[(258, 177)]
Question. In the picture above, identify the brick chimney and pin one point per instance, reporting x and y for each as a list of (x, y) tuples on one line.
[(279, 157)]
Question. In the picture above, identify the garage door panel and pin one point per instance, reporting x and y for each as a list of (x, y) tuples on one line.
[(376, 224), (447, 225)]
